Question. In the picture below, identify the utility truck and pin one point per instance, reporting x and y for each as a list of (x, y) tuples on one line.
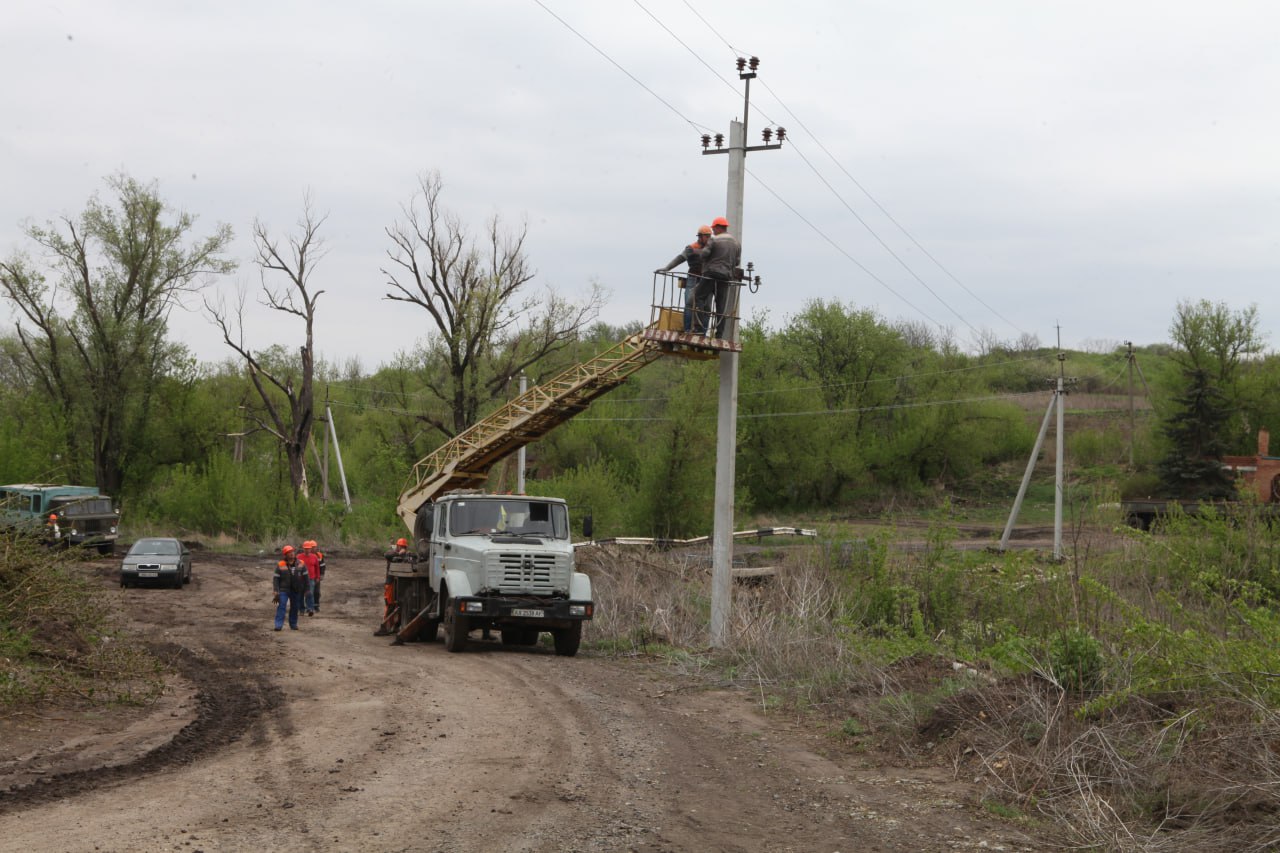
[(61, 516), (483, 561)]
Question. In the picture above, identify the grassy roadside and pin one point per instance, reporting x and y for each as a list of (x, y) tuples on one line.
[(1129, 694), (61, 643)]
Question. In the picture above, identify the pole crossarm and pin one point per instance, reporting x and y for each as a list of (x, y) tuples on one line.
[(464, 461)]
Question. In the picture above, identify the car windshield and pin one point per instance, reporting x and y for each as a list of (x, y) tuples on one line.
[(155, 547), (509, 516)]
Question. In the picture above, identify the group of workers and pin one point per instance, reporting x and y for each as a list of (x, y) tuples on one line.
[(713, 260), (295, 585)]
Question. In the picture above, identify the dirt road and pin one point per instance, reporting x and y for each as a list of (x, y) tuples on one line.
[(328, 738)]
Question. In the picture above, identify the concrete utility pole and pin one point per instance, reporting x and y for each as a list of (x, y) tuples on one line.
[(337, 450), (1132, 422), (727, 423), (1061, 385)]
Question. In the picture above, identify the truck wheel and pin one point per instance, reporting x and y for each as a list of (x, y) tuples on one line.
[(568, 640), (456, 628), (106, 549)]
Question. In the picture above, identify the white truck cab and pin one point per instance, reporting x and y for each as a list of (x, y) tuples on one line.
[(486, 561)]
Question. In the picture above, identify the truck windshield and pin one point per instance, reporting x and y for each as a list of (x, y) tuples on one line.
[(88, 506), (513, 516)]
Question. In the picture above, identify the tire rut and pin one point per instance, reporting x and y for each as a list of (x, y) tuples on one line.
[(228, 702)]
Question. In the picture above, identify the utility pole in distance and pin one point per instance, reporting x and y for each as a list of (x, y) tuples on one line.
[(727, 421)]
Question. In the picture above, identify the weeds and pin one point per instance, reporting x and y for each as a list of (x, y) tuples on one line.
[(58, 639), (1131, 695)]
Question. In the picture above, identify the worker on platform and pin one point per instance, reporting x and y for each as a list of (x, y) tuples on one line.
[(691, 255), (399, 553), (289, 585), (720, 260)]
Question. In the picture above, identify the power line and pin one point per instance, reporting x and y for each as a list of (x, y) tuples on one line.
[(881, 241), (691, 51), (856, 410), (714, 31), (841, 250), (816, 172), (854, 180), (804, 219), (616, 65), (826, 385), (362, 387), (886, 213)]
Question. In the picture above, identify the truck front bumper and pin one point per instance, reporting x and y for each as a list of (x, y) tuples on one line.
[(552, 613)]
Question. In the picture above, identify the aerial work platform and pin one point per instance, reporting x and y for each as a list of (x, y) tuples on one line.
[(465, 460), (669, 326)]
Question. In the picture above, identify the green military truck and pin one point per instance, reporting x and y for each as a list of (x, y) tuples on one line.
[(61, 516)]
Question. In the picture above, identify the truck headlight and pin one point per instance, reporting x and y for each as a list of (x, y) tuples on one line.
[(579, 609), (73, 532), (113, 530), (475, 606)]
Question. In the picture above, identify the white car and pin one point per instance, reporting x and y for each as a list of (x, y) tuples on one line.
[(158, 560)]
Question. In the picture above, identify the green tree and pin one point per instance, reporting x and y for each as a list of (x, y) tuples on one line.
[(1212, 339), (95, 341), (1192, 469)]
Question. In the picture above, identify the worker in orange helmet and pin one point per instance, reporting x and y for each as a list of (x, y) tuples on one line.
[(289, 584), (314, 561), (720, 260), (691, 255), (399, 553)]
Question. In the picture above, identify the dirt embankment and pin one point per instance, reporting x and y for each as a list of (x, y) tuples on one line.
[(328, 738)]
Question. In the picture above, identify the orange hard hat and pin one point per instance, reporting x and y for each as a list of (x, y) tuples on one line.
[(402, 543), (721, 221), (287, 549), (706, 229), (310, 543)]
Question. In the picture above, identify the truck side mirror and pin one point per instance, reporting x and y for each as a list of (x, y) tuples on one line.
[(587, 525)]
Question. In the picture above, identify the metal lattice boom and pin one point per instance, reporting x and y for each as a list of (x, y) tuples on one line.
[(464, 461)]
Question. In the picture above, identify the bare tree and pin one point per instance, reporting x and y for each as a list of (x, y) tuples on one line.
[(488, 329), (285, 388), (120, 269)]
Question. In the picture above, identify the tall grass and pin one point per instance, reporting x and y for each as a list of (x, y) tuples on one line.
[(59, 639), (1131, 692)]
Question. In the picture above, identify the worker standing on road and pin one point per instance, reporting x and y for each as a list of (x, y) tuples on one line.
[(691, 255), (720, 261), (399, 553), (314, 561), (289, 584)]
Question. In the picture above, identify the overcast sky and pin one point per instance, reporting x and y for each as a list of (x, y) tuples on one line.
[(1083, 164)]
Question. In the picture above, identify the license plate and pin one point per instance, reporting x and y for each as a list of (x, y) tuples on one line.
[(148, 574), (537, 614)]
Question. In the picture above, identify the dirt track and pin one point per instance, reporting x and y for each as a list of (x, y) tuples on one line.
[(327, 738)]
